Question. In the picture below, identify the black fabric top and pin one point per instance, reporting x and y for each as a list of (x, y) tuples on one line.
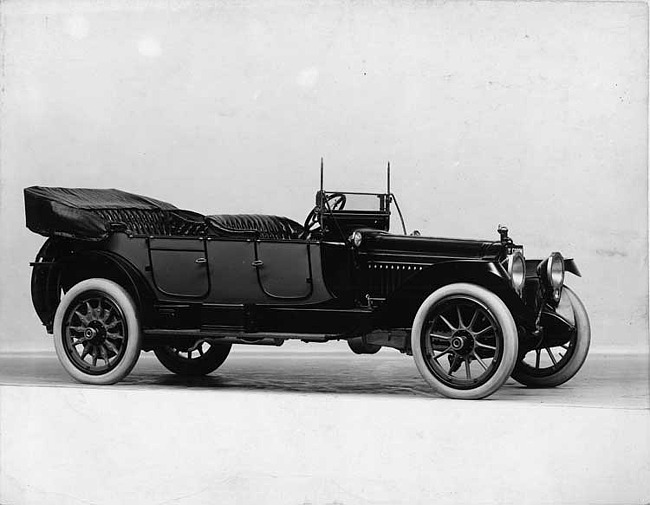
[(87, 214), (95, 199), (90, 214)]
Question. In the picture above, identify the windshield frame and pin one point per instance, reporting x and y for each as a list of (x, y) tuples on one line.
[(384, 206)]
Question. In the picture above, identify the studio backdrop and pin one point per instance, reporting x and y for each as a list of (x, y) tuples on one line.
[(531, 114)]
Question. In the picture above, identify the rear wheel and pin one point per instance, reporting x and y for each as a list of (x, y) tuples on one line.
[(359, 346), (546, 367), (201, 358), (96, 332), (464, 341)]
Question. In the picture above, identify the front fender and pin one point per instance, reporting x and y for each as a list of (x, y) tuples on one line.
[(569, 266), (400, 306)]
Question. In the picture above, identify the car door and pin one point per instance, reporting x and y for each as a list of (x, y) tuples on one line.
[(284, 269), (179, 267), (232, 270)]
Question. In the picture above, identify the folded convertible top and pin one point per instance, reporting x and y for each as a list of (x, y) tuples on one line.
[(87, 214), (92, 214)]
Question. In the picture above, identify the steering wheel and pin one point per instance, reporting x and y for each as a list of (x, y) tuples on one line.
[(334, 201)]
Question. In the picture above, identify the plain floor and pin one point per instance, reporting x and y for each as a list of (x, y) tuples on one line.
[(279, 427)]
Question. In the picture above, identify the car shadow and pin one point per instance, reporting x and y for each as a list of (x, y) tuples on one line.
[(286, 383), (391, 375), (367, 375)]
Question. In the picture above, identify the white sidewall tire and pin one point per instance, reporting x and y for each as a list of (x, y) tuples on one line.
[(583, 341), (134, 340), (503, 318)]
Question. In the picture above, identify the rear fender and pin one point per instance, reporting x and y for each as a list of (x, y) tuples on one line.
[(45, 283), (400, 307), (58, 274)]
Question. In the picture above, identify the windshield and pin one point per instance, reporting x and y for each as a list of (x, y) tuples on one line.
[(368, 202), (341, 203)]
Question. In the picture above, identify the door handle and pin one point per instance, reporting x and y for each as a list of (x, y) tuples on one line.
[(257, 263), (200, 260)]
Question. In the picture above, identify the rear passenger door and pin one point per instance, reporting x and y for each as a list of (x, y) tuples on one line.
[(232, 271), (179, 266)]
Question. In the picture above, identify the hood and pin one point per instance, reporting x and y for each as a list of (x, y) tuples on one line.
[(380, 245)]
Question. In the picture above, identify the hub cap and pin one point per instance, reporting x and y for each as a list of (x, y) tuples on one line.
[(462, 342)]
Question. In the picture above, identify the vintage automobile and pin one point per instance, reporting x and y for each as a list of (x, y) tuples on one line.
[(122, 273)]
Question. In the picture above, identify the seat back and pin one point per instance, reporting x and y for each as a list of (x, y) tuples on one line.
[(258, 225)]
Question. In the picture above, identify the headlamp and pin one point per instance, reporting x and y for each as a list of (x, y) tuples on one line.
[(555, 271), (551, 272), (517, 270)]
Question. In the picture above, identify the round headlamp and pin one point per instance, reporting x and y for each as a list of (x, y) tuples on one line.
[(551, 272), (356, 238), (517, 270), (555, 270)]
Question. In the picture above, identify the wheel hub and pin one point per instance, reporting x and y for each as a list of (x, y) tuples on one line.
[(462, 342), (95, 333)]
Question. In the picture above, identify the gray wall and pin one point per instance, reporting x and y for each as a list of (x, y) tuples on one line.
[(530, 114)]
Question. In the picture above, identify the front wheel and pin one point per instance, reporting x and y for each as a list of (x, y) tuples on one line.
[(96, 332), (550, 366), (464, 341), (199, 359)]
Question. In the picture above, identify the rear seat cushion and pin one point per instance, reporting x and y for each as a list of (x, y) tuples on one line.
[(267, 227)]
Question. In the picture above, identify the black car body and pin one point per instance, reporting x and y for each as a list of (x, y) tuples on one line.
[(188, 286)]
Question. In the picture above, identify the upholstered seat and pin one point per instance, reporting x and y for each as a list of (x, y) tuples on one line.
[(262, 226)]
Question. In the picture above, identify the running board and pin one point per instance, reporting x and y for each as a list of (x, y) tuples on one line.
[(238, 337)]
